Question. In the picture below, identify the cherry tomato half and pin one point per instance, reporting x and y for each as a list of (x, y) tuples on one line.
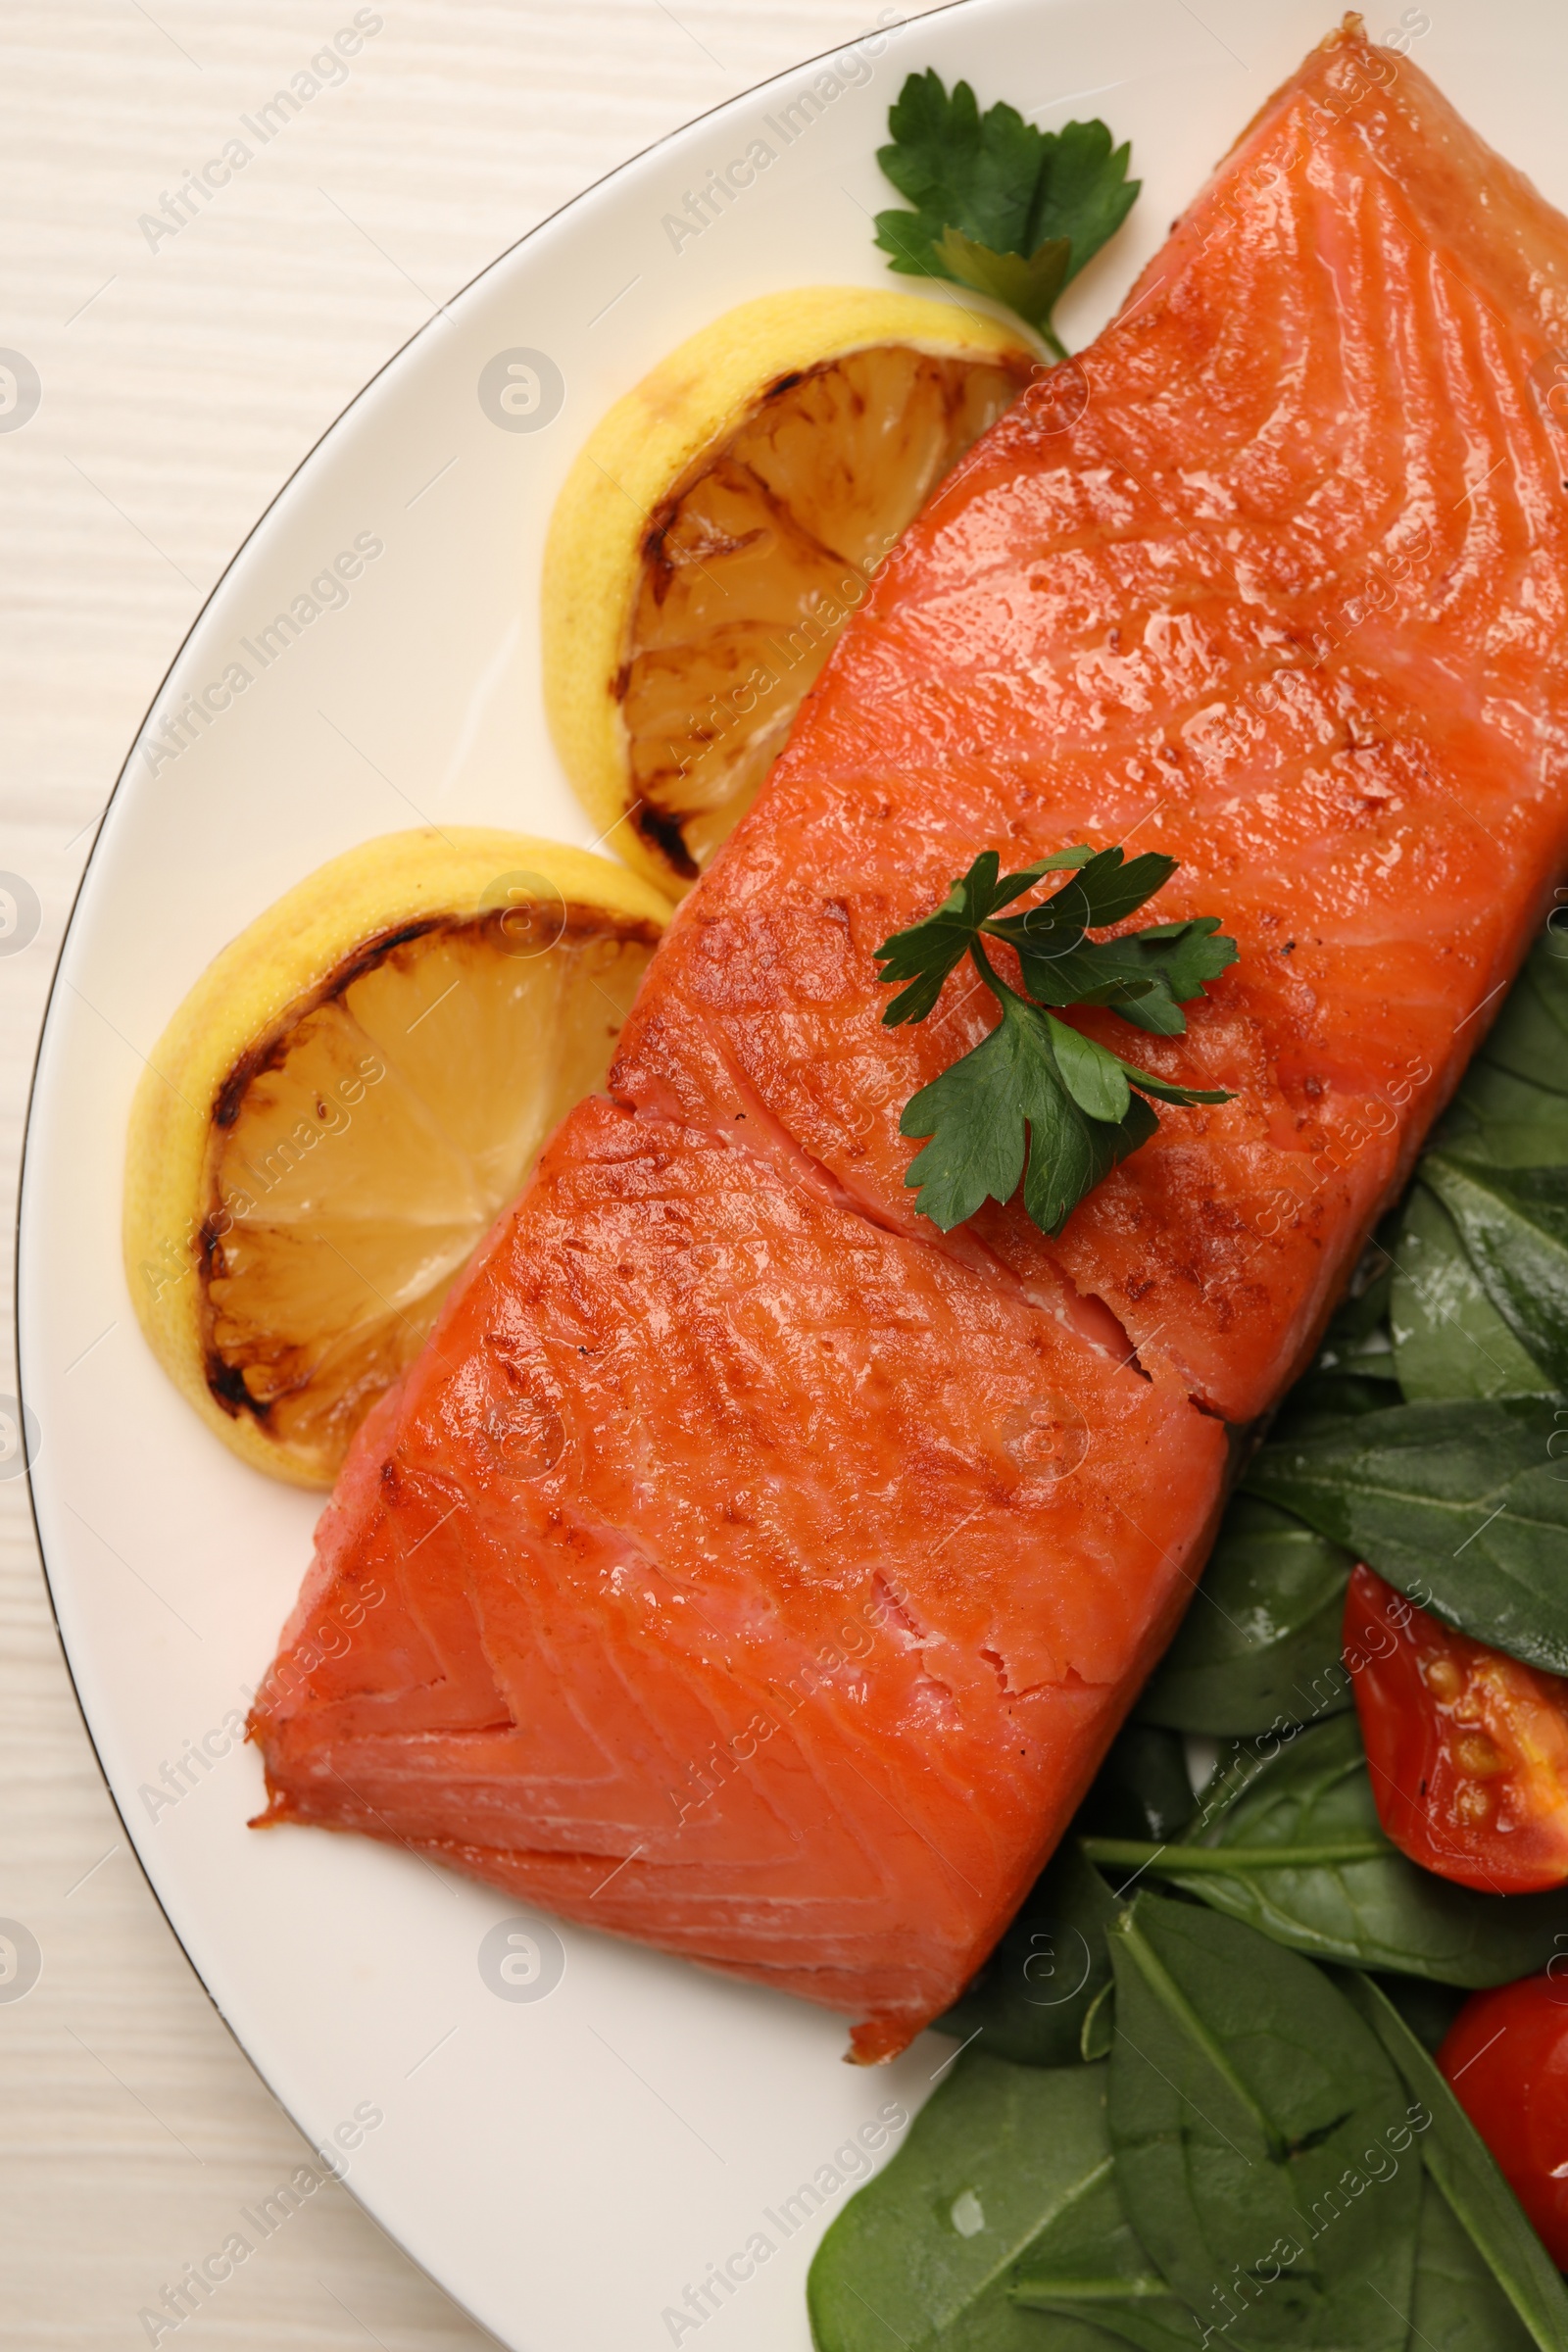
[(1506, 2060), (1468, 1748)]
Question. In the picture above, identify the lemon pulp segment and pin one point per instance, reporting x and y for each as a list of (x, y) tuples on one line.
[(721, 523), (756, 560), (358, 1160)]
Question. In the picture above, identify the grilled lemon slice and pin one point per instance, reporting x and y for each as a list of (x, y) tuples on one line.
[(718, 527), (343, 1103)]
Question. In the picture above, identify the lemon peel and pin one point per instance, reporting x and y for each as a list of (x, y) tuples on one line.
[(344, 1100)]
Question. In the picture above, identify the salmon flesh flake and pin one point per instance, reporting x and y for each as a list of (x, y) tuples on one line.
[(749, 1569)]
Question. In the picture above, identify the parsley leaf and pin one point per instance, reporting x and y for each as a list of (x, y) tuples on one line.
[(1103, 890), (999, 205), (959, 168), (1146, 977), (1035, 1098), (930, 949), (1086, 195), (1029, 287), (1013, 1089)]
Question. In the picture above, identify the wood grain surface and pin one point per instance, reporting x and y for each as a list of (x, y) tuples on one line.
[(183, 377)]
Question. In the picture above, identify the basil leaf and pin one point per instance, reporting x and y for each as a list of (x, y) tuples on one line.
[(1448, 1339), (925, 2254), (1531, 1036), (1163, 2325), (1032, 1995), (1459, 2306), (1143, 1789), (1253, 2118), (1260, 1644), (1355, 1320), (1089, 2261), (1427, 2008), (1462, 1506), (1457, 2159), (1514, 1225), (1321, 1401), (1347, 1894), (1508, 1121)]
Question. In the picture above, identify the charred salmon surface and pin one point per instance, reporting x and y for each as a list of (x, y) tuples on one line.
[(757, 1571)]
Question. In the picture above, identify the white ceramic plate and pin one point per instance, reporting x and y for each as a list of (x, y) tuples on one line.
[(566, 2167)]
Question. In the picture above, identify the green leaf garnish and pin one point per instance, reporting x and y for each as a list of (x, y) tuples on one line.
[(1263, 1645), (1015, 1087), (1242, 2086), (1037, 1099), (1029, 287), (978, 174), (1146, 977), (1033, 1995), (1458, 1502), (1288, 1839), (1448, 1339), (1513, 1223), (995, 2156), (931, 949), (1008, 210), (1466, 2172)]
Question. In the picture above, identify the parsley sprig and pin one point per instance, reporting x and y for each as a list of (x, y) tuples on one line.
[(1035, 1079), (999, 205)]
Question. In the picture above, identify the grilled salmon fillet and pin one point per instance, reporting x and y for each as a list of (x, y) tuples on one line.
[(747, 1567)]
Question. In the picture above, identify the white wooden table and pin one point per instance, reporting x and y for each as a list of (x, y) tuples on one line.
[(184, 374)]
